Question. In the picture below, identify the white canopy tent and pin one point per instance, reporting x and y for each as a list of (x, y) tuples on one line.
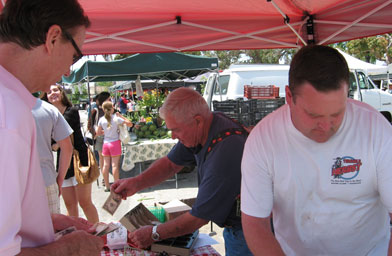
[(370, 69)]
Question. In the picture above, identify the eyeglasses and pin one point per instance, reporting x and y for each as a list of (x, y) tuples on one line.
[(79, 54)]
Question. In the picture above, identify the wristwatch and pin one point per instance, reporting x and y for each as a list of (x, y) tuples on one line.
[(155, 235)]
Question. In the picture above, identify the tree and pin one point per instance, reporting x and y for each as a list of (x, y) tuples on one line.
[(369, 49), (270, 56), (121, 56)]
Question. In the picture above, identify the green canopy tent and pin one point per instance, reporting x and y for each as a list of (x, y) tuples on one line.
[(154, 66), (130, 85)]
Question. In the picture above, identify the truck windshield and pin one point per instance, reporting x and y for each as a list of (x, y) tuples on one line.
[(223, 82)]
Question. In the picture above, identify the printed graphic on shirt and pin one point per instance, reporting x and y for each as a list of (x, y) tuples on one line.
[(345, 170)]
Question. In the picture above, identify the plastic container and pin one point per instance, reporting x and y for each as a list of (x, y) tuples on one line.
[(158, 212)]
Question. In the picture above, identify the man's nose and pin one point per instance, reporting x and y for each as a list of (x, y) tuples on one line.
[(324, 125)]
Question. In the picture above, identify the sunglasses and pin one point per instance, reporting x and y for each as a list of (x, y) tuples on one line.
[(79, 54)]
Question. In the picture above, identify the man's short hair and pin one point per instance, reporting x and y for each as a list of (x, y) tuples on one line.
[(26, 22), (183, 104), (321, 66)]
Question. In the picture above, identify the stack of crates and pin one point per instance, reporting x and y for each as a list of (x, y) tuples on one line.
[(238, 110), (261, 108), (248, 112)]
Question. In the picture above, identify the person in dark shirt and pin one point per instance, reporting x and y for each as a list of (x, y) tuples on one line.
[(123, 104), (187, 115)]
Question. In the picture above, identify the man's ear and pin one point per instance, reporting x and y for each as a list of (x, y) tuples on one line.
[(199, 120), (289, 96), (53, 36)]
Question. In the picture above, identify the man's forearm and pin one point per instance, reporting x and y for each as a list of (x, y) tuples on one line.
[(58, 248), (65, 157), (259, 237)]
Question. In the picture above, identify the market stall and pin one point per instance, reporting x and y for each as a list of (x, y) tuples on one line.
[(154, 66)]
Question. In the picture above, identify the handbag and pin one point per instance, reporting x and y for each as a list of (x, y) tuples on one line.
[(123, 134), (85, 174), (89, 138)]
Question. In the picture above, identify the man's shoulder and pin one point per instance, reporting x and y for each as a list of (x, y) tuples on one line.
[(14, 115)]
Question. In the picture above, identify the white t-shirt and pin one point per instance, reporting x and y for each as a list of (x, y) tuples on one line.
[(111, 133), (329, 198)]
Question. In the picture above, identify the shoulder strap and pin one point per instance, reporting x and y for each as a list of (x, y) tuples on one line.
[(225, 133)]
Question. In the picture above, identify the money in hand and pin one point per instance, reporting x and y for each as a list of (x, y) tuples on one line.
[(102, 229), (63, 232), (111, 204)]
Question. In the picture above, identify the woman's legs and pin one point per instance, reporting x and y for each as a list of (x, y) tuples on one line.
[(116, 167), (100, 161), (105, 172), (84, 196), (70, 200)]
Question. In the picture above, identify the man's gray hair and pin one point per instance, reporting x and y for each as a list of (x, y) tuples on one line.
[(183, 104)]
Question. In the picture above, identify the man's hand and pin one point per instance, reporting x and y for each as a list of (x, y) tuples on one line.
[(125, 187), (141, 237), (82, 243), (61, 222)]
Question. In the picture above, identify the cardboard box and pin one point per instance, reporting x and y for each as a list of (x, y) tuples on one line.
[(181, 245), (138, 217), (175, 208)]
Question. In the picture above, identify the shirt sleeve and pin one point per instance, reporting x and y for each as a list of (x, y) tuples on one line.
[(256, 183), (61, 128), (12, 149), (181, 155), (118, 120)]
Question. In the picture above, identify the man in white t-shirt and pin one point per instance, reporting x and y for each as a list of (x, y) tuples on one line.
[(321, 164)]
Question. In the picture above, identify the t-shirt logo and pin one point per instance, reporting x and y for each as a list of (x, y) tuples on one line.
[(345, 169)]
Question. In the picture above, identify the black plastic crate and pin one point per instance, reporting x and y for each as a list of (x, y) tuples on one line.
[(232, 106), (242, 118), (261, 104), (261, 114)]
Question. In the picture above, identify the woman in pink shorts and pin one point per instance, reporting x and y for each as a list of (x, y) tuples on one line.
[(111, 150)]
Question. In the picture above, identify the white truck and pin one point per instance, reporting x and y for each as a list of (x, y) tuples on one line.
[(229, 84)]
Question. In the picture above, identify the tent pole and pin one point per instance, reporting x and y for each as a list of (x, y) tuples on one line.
[(88, 87), (287, 21)]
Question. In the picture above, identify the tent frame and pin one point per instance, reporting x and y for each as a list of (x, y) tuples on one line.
[(308, 20)]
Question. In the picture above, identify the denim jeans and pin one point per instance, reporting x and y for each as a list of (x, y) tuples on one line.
[(235, 243)]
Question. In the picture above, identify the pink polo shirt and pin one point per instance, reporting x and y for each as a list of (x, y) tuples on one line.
[(24, 214)]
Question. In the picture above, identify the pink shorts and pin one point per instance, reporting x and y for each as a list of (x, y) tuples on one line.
[(112, 148)]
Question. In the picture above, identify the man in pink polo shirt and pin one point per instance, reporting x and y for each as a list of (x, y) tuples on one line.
[(39, 40)]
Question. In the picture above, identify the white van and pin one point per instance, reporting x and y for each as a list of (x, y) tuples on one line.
[(229, 84)]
